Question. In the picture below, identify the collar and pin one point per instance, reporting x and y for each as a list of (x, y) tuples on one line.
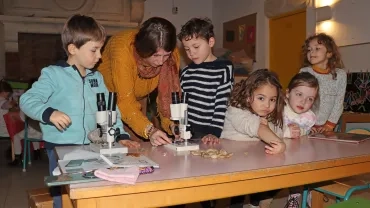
[(320, 70), (64, 64)]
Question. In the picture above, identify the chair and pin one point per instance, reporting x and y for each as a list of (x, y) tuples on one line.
[(14, 124), (343, 188), (352, 203), (26, 147)]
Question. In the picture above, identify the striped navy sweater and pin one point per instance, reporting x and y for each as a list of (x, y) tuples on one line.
[(208, 86)]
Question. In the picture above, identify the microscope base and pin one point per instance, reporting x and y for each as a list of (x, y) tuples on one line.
[(183, 146), (103, 148)]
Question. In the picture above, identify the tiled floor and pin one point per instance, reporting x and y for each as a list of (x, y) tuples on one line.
[(14, 183)]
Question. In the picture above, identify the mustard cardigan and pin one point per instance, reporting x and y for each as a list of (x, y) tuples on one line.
[(120, 74)]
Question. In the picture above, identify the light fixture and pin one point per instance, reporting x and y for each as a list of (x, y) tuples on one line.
[(323, 13)]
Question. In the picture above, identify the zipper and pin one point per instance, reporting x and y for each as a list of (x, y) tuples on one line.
[(83, 98), (83, 115)]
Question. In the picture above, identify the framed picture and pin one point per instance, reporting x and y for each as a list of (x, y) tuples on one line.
[(251, 34)]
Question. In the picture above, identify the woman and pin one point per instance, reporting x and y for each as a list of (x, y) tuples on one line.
[(134, 63)]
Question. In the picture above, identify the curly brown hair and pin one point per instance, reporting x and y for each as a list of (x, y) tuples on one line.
[(197, 28), (243, 91), (334, 61)]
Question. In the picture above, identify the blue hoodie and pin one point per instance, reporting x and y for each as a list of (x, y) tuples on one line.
[(61, 87)]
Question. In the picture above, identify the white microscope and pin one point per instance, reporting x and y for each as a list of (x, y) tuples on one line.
[(106, 118), (179, 114)]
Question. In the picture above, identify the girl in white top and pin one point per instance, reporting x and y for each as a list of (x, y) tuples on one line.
[(322, 59), (5, 104), (255, 111), (254, 114)]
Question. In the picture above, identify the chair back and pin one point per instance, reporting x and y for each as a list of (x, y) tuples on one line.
[(14, 123), (359, 131)]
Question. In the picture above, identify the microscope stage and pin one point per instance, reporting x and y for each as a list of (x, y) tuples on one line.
[(104, 149), (183, 146)]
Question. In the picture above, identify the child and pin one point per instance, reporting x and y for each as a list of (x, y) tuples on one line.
[(254, 114), (298, 118), (322, 59), (300, 96), (33, 132), (206, 80), (64, 97), (5, 104)]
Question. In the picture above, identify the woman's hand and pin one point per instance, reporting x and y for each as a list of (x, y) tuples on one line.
[(210, 139), (129, 143), (275, 147), (158, 137)]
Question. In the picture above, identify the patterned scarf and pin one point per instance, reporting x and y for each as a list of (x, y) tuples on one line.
[(168, 81)]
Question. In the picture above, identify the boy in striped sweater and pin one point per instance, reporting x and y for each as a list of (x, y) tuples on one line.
[(207, 80)]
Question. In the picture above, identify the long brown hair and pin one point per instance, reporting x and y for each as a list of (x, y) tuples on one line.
[(334, 61), (243, 91)]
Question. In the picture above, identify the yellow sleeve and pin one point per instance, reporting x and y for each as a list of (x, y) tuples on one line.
[(123, 66), (165, 122)]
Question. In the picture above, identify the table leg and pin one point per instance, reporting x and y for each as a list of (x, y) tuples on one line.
[(66, 201), (12, 146), (317, 199)]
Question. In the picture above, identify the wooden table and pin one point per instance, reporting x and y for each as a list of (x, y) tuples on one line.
[(184, 178)]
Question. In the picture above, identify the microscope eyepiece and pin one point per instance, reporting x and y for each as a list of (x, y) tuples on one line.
[(112, 101), (100, 101), (175, 98)]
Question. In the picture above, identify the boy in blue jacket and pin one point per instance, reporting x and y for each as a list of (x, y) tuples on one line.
[(64, 97)]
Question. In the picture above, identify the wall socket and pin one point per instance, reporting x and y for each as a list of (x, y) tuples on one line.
[(175, 10)]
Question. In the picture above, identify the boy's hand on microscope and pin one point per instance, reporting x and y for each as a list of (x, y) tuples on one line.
[(210, 139), (129, 143), (158, 137), (60, 120), (275, 147)]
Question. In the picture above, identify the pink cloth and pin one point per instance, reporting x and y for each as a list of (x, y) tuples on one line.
[(120, 175)]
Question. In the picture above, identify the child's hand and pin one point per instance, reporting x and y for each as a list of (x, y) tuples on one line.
[(60, 120), (210, 139), (275, 147), (295, 131), (327, 128), (129, 143), (13, 104), (263, 121), (320, 129)]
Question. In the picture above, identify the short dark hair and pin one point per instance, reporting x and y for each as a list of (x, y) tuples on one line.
[(80, 29), (5, 86), (197, 27), (154, 33)]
